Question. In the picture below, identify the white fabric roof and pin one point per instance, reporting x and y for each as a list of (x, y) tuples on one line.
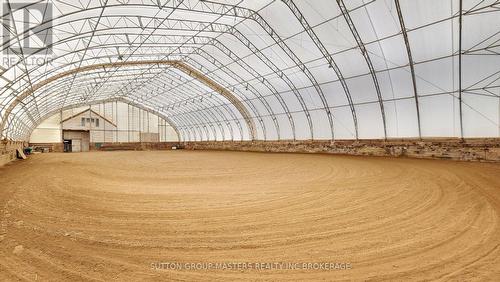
[(298, 69)]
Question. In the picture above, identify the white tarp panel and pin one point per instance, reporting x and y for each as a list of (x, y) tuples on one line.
[(298, 68)]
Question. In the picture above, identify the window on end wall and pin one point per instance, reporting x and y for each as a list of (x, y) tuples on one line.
[(83, 121), (96, 122)]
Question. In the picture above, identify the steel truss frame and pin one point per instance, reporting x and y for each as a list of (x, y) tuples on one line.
[(191, 108)]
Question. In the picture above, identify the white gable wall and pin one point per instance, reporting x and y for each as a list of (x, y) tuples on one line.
[(125, 124)]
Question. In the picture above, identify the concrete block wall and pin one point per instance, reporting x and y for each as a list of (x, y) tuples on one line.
[(455, 149), (8, 150)]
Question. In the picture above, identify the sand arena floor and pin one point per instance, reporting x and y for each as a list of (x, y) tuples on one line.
[(118, 215)]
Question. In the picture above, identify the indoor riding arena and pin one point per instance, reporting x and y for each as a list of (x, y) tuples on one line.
[(250, 140)]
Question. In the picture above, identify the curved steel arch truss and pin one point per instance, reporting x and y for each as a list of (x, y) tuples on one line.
[(267, 70)]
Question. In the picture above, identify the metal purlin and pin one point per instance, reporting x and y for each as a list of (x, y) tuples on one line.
[(365, 54), (331, 62)]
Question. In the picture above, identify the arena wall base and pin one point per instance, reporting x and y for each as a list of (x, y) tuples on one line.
[(454, 149)]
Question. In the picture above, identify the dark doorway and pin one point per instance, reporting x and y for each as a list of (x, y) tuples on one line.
[(67, 146)]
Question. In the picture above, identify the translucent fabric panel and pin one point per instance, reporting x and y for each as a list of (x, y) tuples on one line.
[(302, 130), (272, 132), (343, 123), (321, 125), (355, 4), (274, 103), (259, 128), (382, 17), (258, 65), (335, 94), (424, 45), (286, 132), (365, 26), (401, 118), (187, 15), (351, 63), (480, 71), (252, 5), (220, 136), (424, 12), (303, 47), (335, 35), (318, 11), (278, 56), (400, 83), (279, 84), (292, 101), (298, 77), (439, 116), (432, 28), (480, 30), (227, 131), (436, 76), (388, 53), (258, 108), (480, 115), (370, 124), (256, 34), (387, 81), (281, 19), (244, 72), (362, 89), (234, 44), (311, 98), (321, 72)]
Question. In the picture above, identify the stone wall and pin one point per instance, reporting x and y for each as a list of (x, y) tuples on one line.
[(454, 149), (8, 150), (52, 147), (132, 146)]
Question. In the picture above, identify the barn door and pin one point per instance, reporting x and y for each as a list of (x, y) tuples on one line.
[(76, 145)]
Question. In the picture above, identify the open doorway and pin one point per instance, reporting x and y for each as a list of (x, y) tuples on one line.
[(67, 146), (78, 140)]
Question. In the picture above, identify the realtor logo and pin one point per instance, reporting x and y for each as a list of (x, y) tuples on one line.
[(27, 27)]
